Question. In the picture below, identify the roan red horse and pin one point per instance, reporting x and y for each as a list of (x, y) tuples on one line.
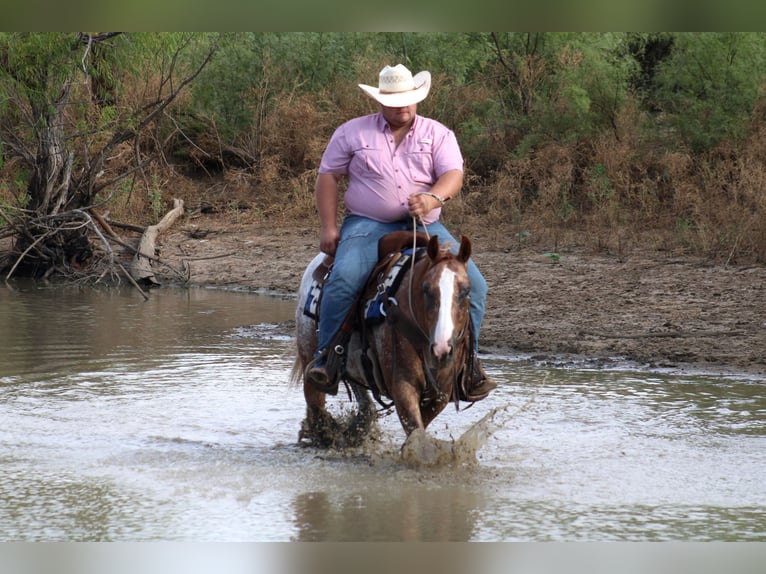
[(412, 350)]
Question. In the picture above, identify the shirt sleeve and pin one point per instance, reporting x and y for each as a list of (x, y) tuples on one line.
[(447, 155), (336, 156)]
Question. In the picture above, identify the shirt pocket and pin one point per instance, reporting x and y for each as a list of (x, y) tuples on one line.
[(421, 166), (369, 161)]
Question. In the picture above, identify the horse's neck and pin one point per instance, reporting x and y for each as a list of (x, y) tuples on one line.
[(410, 293)]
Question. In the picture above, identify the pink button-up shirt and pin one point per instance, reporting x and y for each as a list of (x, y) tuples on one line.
[(382, 177)]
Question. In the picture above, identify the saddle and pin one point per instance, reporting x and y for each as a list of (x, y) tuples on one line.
[(398, 241)]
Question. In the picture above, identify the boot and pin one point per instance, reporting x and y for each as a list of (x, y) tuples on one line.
[(318, 375), (324, 372), (479, 383)]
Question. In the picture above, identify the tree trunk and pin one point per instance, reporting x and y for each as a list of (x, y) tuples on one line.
[(51, 176)]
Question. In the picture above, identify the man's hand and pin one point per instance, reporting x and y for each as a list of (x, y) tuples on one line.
[(420, 204), (328, 240), (446, 187)]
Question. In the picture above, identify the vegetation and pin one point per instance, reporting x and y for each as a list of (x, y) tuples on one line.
[(607, 140), (73, 107)]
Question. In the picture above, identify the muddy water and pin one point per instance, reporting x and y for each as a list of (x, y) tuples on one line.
[(172, 419)]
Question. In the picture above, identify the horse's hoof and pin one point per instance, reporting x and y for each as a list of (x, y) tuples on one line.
[(322, 431)]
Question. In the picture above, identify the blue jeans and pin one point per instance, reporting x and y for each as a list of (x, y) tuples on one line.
[(355, 258)]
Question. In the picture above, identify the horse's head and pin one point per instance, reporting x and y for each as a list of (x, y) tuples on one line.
[(446, 291)]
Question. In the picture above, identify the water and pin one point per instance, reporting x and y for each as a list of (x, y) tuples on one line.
[(172, 419)]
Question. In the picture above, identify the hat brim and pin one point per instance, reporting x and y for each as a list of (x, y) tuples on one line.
[(422, 82)]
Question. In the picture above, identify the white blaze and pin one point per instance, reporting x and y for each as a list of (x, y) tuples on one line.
[(444, 324)]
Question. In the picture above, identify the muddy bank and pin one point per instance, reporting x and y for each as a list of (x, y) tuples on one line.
[(656, 309)]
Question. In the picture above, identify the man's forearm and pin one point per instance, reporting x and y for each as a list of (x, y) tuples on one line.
[(326, 192), (448, 185)]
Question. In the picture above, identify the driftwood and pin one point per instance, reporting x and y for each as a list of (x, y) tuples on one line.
[(140, 268)]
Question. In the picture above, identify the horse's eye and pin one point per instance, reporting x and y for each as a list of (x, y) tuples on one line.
[(463, 292)]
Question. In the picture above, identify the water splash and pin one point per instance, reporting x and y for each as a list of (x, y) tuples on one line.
[(422, 450)]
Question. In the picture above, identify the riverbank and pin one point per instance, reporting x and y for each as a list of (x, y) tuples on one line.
[(654, 309)]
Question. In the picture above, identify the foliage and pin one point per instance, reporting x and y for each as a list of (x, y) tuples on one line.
[(709, 86), (73, 104), (607, 135)]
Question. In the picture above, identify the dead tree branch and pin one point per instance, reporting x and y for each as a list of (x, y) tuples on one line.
[(140, 268)]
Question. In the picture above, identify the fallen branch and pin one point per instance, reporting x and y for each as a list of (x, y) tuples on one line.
[(207, 257), (128, 226), (141, 269), (134, 250), (133, 281), (103, 223), (40, 239)]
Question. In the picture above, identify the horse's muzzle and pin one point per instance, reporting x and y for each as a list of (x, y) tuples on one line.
[(442, 352)]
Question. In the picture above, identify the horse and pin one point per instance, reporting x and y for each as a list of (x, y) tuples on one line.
[(414, 355)]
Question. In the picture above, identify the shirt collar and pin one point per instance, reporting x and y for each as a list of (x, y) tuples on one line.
[(383, 124)]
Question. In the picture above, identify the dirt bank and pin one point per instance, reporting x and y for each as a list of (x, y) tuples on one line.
[(655, 309)]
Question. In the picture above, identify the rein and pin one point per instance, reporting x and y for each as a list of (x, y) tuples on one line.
[(412, 274)]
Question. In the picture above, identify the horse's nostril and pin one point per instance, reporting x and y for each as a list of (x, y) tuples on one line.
[(441, 350)]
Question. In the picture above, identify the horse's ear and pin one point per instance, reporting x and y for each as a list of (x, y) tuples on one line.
[(465, 249), (433, 246)]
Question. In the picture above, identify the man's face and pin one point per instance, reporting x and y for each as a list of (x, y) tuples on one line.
[(399, 117)]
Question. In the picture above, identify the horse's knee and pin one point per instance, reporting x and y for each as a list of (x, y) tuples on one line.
[(407, 401)]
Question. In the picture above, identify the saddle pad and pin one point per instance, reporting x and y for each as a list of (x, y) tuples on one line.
[(373, 309), (311, 308), (318, 279)]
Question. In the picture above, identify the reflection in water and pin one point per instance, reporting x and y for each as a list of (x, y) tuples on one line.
[(65, 508), (65, 330), (173, 419), (405, 514)]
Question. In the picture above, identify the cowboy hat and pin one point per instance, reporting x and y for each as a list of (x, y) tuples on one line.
[(397, 88)]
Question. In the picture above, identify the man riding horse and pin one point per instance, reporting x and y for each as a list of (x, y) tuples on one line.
[(402, 168)]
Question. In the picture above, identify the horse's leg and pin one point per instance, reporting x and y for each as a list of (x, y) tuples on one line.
[(406, 397), (319, 428), (365, 415), (315, 404), (429, 411), (419, 448)]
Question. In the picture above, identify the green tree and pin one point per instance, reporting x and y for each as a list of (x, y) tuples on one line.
[(562, 86), (708, 87)]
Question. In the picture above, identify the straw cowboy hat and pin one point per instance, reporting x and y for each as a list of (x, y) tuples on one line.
[(397, 88)]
